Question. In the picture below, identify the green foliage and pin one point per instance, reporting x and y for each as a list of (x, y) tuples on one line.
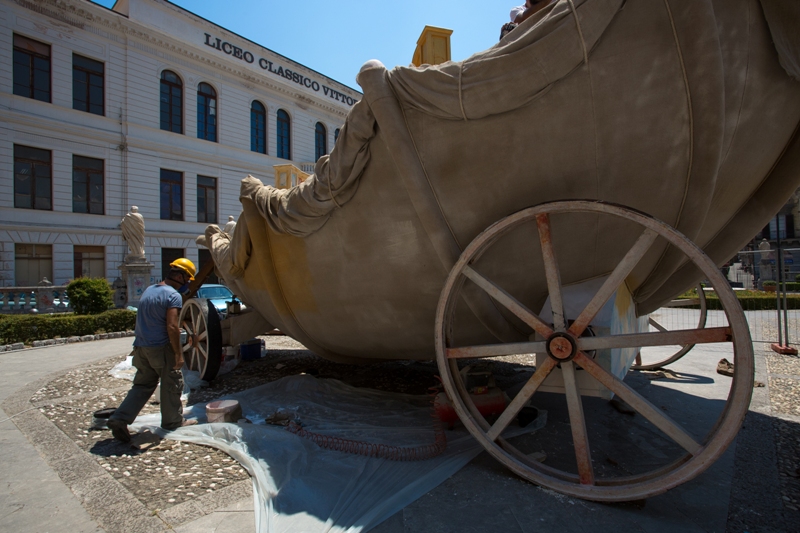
[(750, 300), (89, 296), (769, 283), (29, 328)]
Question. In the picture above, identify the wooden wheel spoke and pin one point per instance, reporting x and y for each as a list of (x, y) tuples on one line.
[(551, 272), (669, 338), (522, 398), (203, 351), (196, 319), (577, 422), (656, 325), (616, 278), (187, 346), (640, 404), (202, 336), (494, 350), (509, 302)]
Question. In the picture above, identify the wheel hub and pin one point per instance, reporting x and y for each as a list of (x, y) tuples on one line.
[(561, 347)]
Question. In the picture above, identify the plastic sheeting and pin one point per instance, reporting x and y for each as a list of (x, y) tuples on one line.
[(299, 486), (191, 378)]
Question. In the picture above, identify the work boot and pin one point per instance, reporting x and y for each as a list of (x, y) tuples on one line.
[(119, 429)]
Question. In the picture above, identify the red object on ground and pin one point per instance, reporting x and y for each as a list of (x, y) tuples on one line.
[(491, 402), (784, 350)]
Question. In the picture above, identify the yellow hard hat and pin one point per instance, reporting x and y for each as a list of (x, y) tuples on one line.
[(185, 265)]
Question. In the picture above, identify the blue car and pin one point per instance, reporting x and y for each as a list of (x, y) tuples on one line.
[(218, 296)]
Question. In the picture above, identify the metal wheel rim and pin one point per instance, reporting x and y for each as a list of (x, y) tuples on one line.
[(701, 323), (614, 489)]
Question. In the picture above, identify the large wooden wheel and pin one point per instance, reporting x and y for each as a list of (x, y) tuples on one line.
[(659, 359), (582, 471), (203, 348)]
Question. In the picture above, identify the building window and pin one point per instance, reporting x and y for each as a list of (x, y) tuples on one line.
[(169, 255), (204, 257), (320, 141), (171, 195), (258, 128), (31, 68), (786, 227), (88, 85), (171, 102), (32, 178), (335, 135), (87, 185), (206, 112), (284, 135), (207, 199), (89, 262), (32, 263)]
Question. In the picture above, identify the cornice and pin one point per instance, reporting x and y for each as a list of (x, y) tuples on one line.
[(74, 15)]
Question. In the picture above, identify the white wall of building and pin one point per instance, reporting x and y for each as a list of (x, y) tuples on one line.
[(135, 49)]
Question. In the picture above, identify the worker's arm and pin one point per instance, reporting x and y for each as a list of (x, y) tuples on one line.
[(535, 8), (174, 332)]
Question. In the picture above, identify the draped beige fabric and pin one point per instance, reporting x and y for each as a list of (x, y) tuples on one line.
[(683, 109)]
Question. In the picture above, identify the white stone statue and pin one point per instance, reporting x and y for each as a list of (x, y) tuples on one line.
[(230, 226), (132, 225)]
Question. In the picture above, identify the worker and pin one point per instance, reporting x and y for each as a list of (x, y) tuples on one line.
[(520, 13), (157, 353)]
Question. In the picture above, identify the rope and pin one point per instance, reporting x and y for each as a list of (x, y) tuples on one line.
[(580, 32), (460, 98), (689, 108), (381, 451), (331, 192)]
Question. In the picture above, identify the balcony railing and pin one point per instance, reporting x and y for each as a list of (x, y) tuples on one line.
[(44, 298)]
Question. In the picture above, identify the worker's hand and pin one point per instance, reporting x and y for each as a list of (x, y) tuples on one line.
[(178, 364)]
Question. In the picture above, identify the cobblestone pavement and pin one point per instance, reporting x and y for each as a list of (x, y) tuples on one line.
[(784, 395), (165, 474)]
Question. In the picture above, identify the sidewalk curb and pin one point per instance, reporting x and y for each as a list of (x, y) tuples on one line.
[(107, 501)]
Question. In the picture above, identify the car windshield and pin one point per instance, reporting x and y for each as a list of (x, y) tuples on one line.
[(214, 292)]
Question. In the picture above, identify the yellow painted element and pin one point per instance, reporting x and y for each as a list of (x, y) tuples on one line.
[(433, 46), (288, 175)]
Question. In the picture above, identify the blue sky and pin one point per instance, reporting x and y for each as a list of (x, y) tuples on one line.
[(336, 38)]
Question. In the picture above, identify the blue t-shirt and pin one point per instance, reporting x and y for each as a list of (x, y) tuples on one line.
[(151, 317)]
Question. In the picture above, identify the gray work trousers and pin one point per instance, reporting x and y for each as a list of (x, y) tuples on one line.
[(152, 364)]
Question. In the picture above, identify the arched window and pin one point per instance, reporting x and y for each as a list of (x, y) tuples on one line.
[(206, 112), (258, 128), (284, 135), (320, 140), (171, 102), (335, 135)]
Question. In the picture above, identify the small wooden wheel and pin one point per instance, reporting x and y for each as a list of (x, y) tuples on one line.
[(676, 445), (203, 348), (659, 360)]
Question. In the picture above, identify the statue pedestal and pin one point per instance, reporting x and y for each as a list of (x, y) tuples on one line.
[(136, 277)]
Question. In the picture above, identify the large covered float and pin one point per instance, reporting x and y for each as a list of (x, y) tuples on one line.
[(543, 196)]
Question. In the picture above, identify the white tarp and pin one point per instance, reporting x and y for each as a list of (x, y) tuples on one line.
[(299, 486)]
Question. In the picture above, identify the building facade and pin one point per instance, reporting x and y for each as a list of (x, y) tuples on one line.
[(145, 104)]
